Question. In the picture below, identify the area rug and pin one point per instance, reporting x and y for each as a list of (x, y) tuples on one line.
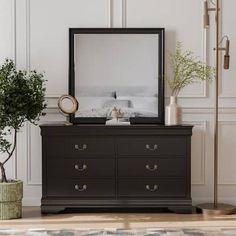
[(121, 232)]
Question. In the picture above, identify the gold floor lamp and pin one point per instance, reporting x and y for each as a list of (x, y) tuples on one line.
[(216, 208)]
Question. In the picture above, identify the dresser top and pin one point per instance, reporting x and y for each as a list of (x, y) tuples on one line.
[(99, 129), (159, 126)]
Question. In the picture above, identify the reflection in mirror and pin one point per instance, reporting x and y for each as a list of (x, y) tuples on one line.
[(117, 74), (116, 71)]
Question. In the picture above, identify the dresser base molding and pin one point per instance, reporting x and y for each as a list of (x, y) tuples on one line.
[(56, 205), (102, 168)]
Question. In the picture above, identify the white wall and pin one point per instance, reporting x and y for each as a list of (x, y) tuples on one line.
[(100, 61), (35, 34)]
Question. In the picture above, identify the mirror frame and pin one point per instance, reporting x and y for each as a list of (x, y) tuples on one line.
[(133, 120)]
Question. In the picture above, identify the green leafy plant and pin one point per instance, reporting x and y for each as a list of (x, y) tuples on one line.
[(22, 98), (187, 69)]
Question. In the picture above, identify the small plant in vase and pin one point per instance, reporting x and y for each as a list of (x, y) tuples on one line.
[(22, 98), (186, 70)]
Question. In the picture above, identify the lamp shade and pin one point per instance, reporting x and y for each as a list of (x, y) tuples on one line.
[(206, 18), (227, 56)]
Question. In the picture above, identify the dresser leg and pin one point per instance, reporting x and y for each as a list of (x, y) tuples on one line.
[(51, 209), (183, 209)]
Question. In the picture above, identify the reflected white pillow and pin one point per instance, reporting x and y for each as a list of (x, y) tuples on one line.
[(88, 103), (91, 91), (118, 103), (148, 104), (136, 91)]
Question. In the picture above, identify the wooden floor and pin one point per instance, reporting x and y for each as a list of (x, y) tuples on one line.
[(33, 219)]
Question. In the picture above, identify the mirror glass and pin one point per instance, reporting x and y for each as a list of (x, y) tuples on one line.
[(117, 75)]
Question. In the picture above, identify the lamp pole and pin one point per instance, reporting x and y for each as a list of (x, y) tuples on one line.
[(216, 208), (216, 121)]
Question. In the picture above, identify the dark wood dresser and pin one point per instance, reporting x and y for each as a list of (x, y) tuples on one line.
[(98, 166)]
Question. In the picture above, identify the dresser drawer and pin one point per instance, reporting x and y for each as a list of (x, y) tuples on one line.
[(81, 188), (81, 168), (76, 146), (151, 146), (151, 167), (151, 188)]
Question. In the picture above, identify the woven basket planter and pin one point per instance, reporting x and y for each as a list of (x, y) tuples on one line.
[(11, 195)]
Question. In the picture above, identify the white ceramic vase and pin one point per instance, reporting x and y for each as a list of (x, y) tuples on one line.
[(173, 112)]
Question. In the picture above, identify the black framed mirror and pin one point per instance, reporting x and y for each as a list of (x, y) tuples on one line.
[(117, 71)]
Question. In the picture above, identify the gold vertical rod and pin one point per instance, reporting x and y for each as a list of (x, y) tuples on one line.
[(216, 208), (216, 110)]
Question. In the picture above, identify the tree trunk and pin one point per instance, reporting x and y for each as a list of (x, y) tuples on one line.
[(3, 173)]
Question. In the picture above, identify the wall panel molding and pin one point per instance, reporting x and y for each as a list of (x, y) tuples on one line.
[(226, 76), (227, 160), (14, 58), (110, 13), (14, 30), (8, 29), (124, 13), (28, 39), (29, 158), (203, 126), (29, 181)]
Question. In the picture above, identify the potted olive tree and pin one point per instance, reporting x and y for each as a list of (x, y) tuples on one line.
[(22, 98), (186, 69)]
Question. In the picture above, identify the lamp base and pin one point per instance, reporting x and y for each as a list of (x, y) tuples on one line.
[(220, 209)]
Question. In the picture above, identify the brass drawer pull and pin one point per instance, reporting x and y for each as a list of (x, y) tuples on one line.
[(84, 147), (83, 168), (80, 189), (154, 148), (153, 189), (148, 167)]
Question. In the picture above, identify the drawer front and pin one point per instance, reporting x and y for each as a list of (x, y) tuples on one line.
[(151, 188), (81, 168), (151, 167), (151, 146), (76, 146), (81, 188)]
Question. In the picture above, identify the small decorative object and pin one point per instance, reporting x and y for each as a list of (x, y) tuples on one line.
[(113, 112), (187, 69), (22, 98), (67, 105), (116, 113), (173, 112), (117, 117), (119, 114)]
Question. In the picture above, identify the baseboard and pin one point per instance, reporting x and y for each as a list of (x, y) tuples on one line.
[(37, 201), (197, 201), (31, 202)]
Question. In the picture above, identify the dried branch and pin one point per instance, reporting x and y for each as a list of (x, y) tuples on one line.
[(187, 69)]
